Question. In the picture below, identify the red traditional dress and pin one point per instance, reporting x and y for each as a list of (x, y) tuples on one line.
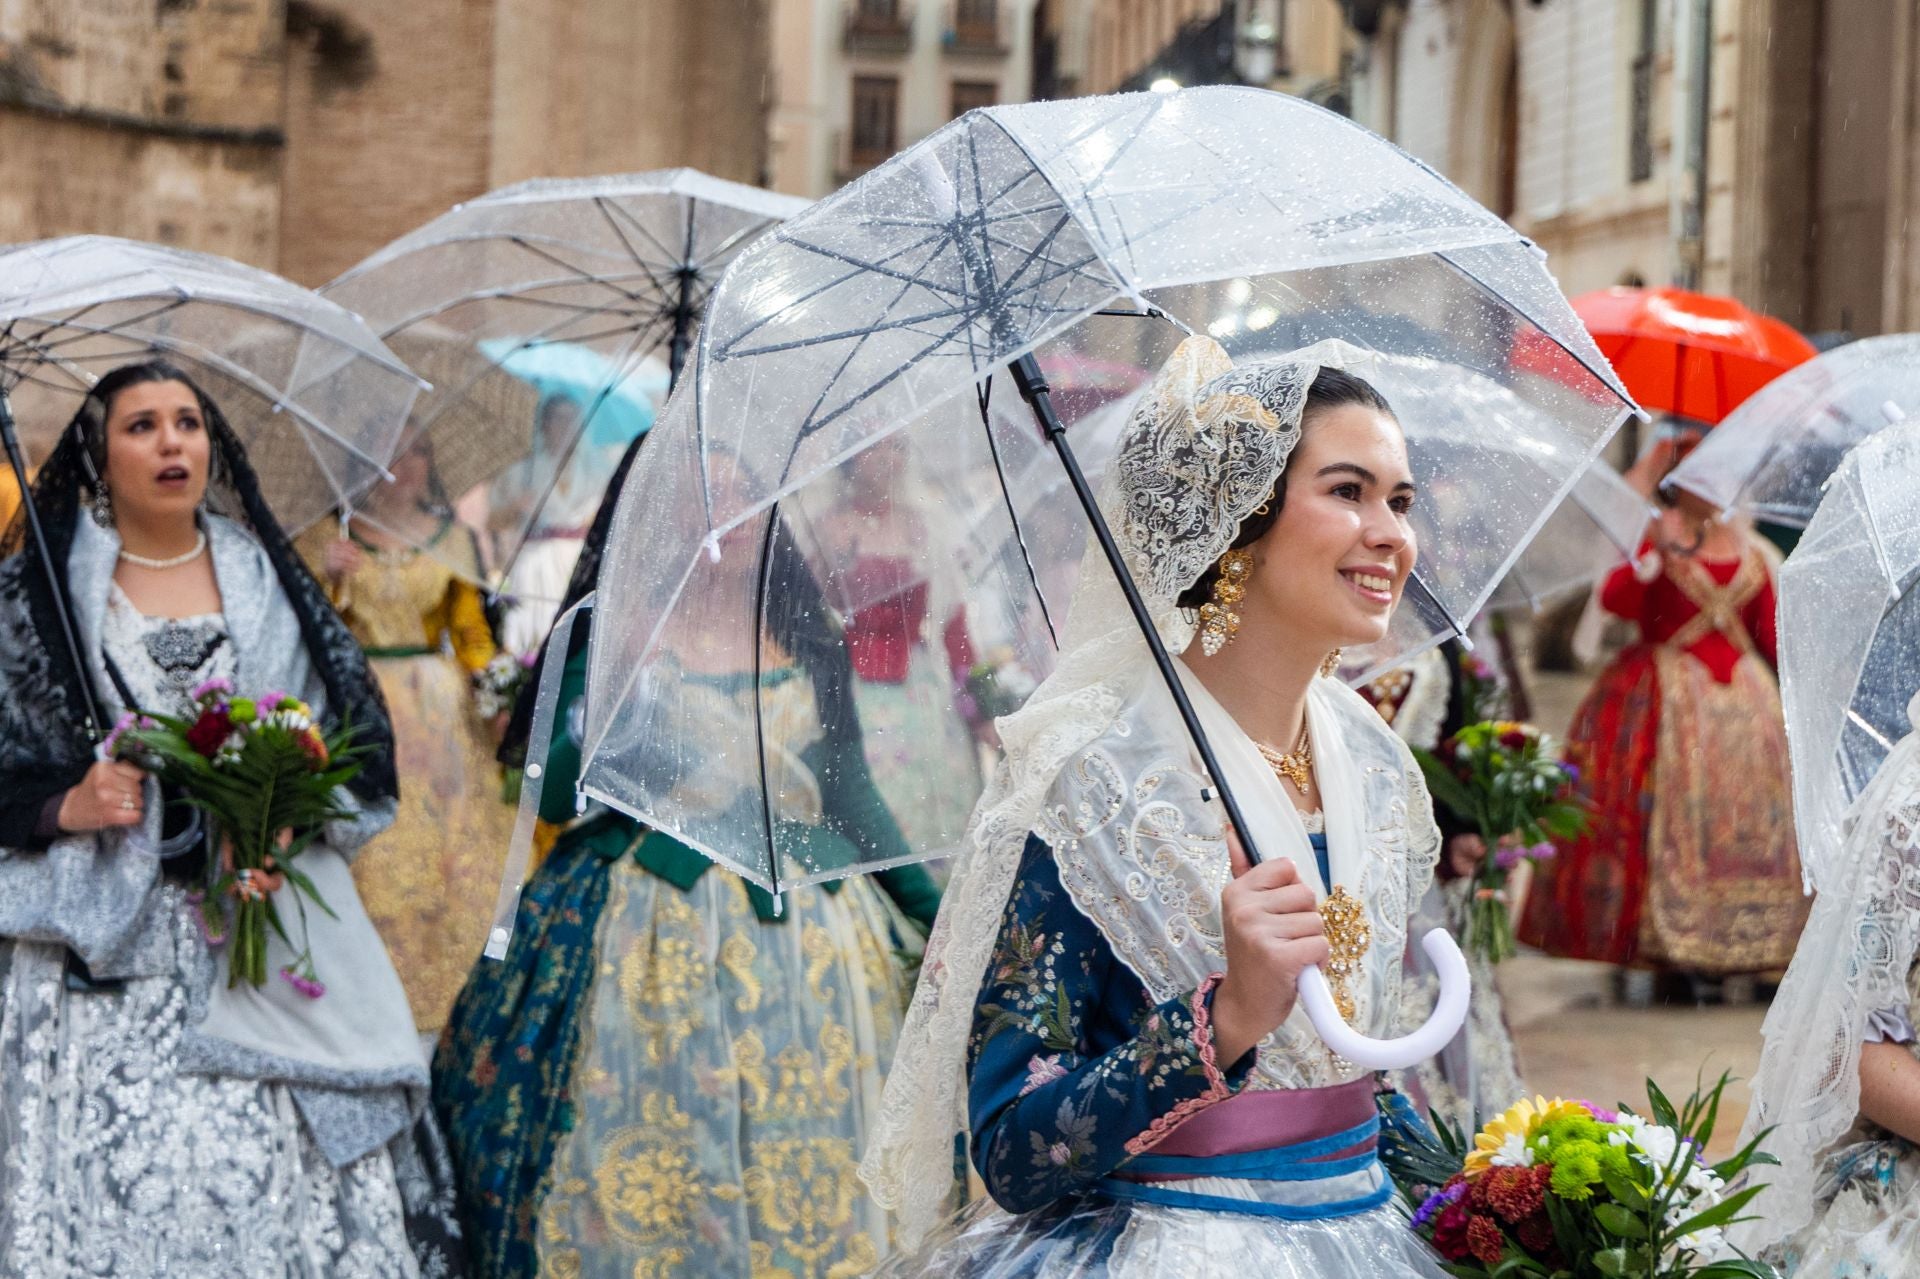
[(1689, 860)]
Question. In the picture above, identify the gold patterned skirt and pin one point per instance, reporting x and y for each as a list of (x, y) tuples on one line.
[(431, 879), (727, 1075), (1723, 872)]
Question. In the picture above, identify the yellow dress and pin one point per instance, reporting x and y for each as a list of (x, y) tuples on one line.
[(430, 881)]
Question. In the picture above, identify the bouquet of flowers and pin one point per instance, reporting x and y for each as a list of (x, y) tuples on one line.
[(995, 687), (264, 776), (1508, 779), (1569, 1190), (497, 685)]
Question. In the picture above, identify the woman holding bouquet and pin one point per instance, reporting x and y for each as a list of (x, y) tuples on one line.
[(1109, 1002), (1688, 861), (157, 1117), (1427, 700), (667, 1074), (430, 880)]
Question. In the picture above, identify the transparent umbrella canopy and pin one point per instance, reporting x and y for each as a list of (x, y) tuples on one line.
[(586, 290), (922, 302), (317, 398), (1772, 455), (1850, 636)]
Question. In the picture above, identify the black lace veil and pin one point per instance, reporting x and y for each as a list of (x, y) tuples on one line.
[(44, 747)]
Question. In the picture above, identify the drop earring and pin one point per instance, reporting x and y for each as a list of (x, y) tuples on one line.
[(1220, 616), (1332, 664), (101, 505)]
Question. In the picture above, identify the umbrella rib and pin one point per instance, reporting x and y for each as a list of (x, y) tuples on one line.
[(585, 276), (666, 252), (498, 365), (859, 268), (83, 332), (600, 204)]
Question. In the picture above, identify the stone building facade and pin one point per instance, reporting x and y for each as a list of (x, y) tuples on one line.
[(300, 135)]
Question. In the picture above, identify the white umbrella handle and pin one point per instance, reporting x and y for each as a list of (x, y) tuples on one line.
[(1449, 1013)]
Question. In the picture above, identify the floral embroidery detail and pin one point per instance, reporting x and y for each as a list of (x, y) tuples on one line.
[(1217, 1089), (1043, 1070)]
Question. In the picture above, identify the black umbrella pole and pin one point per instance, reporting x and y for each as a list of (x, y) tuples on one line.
[(68, 631), (1033, 389)]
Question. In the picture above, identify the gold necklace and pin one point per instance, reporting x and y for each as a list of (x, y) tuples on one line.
[(1295, 765)]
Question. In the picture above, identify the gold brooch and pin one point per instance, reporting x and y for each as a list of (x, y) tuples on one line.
[(1348, 936), (1295, 765)]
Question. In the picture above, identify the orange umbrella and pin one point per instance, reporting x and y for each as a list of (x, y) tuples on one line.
[(1695, 355)]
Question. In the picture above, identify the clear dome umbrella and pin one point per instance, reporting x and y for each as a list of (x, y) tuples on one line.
[(923, 301), (314, 396), (910, 302), (585, 290), (1771, 455), (1850, 636)]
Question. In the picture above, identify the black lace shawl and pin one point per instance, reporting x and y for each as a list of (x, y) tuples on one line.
[(44, 746)]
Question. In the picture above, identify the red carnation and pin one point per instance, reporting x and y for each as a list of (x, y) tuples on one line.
[(1515, 1194), (1450, 1233), (1535, 1234), (1485, 1241), (1513, 739), (209, 731)]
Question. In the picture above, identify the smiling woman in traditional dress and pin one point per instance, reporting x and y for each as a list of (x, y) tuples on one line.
[(1108, 1003), (154, 1121)]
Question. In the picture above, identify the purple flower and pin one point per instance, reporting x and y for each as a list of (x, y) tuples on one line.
[(1438, 1200), (1508, 856), (1041, 1071), (1572, 770), (208, 687), (306, 985), (1544, 851), (1601, 1114)]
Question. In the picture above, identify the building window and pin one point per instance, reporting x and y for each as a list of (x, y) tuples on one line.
[(880, 12), (968, 94), (976, 13), (876, 108), (1640, 130)]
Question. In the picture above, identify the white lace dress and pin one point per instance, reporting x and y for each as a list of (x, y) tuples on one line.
[(114, 1163)]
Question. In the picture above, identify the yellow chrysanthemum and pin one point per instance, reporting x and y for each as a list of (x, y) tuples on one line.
[(1516, 1125)]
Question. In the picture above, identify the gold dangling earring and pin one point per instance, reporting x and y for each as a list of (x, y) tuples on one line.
[(1219, 616), (1331, 665)]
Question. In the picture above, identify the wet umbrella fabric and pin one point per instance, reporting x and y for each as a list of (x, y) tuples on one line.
[(590, 290), (1771, 457), (313, 394), (889, 308), (1694, 355), (1850, 636)]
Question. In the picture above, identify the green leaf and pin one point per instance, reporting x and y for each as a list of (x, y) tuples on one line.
[(1740, 1268), (1611, 1262), (1620, 1221), (1629, 1192), (1663, 1112), (1720, 1214)]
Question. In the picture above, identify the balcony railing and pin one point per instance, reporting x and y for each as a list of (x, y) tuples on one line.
[(878, 28), (975, 29)]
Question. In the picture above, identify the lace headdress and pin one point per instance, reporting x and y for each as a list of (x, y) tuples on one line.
[(1854, 958), (1204, 447)]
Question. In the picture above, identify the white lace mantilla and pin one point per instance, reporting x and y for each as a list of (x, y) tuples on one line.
[(1205, 445), (1854, 957)]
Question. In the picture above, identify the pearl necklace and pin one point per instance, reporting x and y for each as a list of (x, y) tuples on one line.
[(175, 561), (1295, 765)]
